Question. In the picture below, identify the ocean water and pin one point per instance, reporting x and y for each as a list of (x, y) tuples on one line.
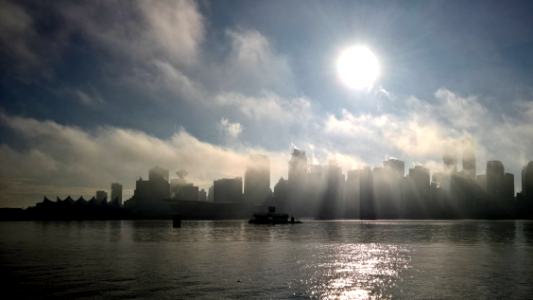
[(237, 260)]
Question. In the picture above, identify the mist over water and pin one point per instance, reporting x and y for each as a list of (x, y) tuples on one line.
[(236, 260)]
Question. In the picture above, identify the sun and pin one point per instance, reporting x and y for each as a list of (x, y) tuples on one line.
[(358, 68)]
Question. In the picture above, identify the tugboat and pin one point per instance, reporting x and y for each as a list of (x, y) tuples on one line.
[(272, 218)]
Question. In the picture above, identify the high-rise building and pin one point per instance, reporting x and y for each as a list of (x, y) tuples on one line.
[(211, 195), (257, 179), (116, 192), (158, 173), (101, 195), (314, 193), (353, 194), (202, 195), (367, 208), (469, 157), (228, 190), (397, 166), (188, 192), (449, 157), (418, 196), (527, 180), (297, 179), (332, 206), (495, 199)]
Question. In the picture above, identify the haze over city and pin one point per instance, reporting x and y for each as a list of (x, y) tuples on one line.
[(100, 92)]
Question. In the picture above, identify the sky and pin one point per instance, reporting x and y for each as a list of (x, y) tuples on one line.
[(95, 92)]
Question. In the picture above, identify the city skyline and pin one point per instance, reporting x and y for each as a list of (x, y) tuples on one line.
[(324, 192)]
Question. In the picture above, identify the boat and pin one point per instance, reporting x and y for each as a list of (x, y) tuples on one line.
[(271, 217)]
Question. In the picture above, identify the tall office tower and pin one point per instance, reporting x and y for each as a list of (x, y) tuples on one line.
[(211, 195), (101, 195), (280, 194), (397, 166), (257, 179), (116, 192), (367, 208), (469, 157), (158, 173), (188, 192), (527, 180), (315, 190), (202, 195), (296, 180), (353, 195), (449, 157), (228, 190), (442, 200), (331, 208), (417, 204), (394, 172), (495, 173), (508, 195)]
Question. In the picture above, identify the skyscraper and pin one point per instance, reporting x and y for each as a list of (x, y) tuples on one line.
[(101, 195), (449, 157), (469, 156), (495, 175), (116, 192), (527, 180), (228, 190), (417, 200), (257, 179), (353, 194), (397, 166), (297, 179), (367, 208)]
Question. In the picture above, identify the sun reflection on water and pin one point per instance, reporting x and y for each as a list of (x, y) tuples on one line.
[(357, 271)]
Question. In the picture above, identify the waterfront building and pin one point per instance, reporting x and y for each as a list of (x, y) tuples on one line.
[(116, 192), (257, 179), (228, 190)]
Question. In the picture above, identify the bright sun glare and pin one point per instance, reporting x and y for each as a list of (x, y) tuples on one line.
[(358, 67)]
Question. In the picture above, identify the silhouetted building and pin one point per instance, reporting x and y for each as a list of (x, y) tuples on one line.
[(281, 190), (211, 195), (148, 197), (524, 200), (527, 180), (296, 179), (397, 166), (469, 157), (101, 195), (332, 205), (188, 192), (116, 192), (314, 194), (416, 200), (257, 179), (202, 195), (495, 200), (462, 195), (367, 208), (508, 194), (353, 194), (228, 190)]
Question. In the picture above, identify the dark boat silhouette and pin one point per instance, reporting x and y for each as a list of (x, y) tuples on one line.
[(271, 217)]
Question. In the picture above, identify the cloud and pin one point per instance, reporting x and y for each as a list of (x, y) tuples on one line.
[(231, 129), (16, 33), (85, 99)]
